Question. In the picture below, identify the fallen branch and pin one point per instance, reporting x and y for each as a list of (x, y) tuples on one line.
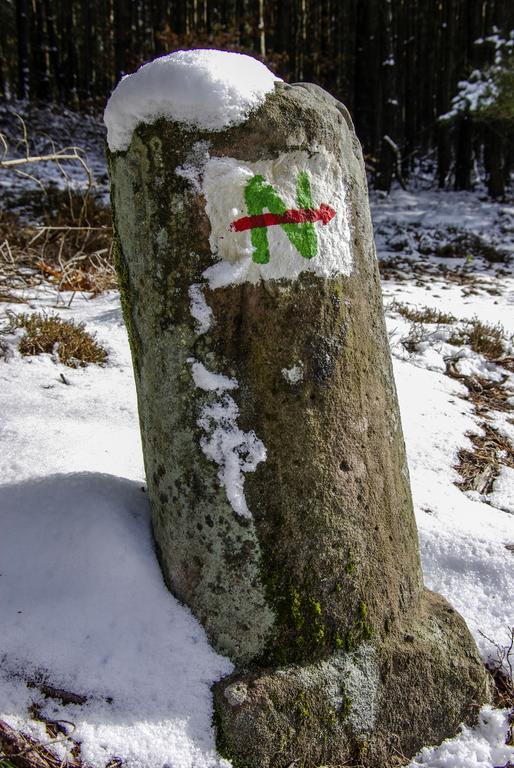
[(57, 156), (37, 159)]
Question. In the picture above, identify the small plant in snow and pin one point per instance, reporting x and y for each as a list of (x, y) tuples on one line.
[(416, 335), (483, 338), (501, 667), (422, 315), (66, 340)]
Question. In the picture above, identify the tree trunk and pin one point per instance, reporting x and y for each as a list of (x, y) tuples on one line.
[(273, 447), (367, 89), (494, 161), (389, 148), (464, 153), (122, 36), (158, 20), (53, 49), (39, 53), (71, 58), (88, 75), (445, 85), (23, 35), (444, 154), (261, 30)]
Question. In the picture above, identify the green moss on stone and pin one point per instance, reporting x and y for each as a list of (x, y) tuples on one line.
[(365, 630), (316, 606), (301, 707), (300, 630), (360, 631)]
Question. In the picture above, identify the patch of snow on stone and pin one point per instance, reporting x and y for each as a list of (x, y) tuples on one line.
[(210, 381), (194, 164), (224, 183), (293, 375), (224, 273), (206, 89), (199, 309), (235, 451)]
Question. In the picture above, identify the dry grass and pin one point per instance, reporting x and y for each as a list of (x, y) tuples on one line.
[(68, 341), (486, 395), (479, 467), (20, 751), (483, 338), (487, 340), (72, 248), (507, 363), (422, 315)]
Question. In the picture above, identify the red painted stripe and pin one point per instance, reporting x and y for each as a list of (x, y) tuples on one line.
[(294, 216)]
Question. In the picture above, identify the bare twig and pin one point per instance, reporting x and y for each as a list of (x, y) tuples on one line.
[(31, 177), (501, 668), (70, 153), (38, 159)]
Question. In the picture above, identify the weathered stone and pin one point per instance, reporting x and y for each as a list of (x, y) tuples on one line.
[(361, 707), (314, 562)]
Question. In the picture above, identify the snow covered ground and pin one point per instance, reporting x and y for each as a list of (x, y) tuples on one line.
[(83, 605)]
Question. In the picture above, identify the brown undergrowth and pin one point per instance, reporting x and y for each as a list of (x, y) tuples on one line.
[(423, 314), (18, 750), (483, 338), (501, 668), (68, 341), (479, 465), (71, 248)]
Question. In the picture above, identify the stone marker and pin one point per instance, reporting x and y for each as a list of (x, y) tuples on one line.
[(273, 447)]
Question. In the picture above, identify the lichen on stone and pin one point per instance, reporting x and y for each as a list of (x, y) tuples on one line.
[(353, 681)]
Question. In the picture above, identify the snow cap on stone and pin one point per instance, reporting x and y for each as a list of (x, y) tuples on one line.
[(206, 89)]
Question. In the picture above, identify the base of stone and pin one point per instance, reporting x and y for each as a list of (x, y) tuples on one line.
[(363, 708)]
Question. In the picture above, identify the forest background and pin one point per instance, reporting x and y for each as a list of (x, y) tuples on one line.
[(426, 81)]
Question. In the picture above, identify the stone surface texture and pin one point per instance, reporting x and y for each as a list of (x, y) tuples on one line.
[(317, 596)]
